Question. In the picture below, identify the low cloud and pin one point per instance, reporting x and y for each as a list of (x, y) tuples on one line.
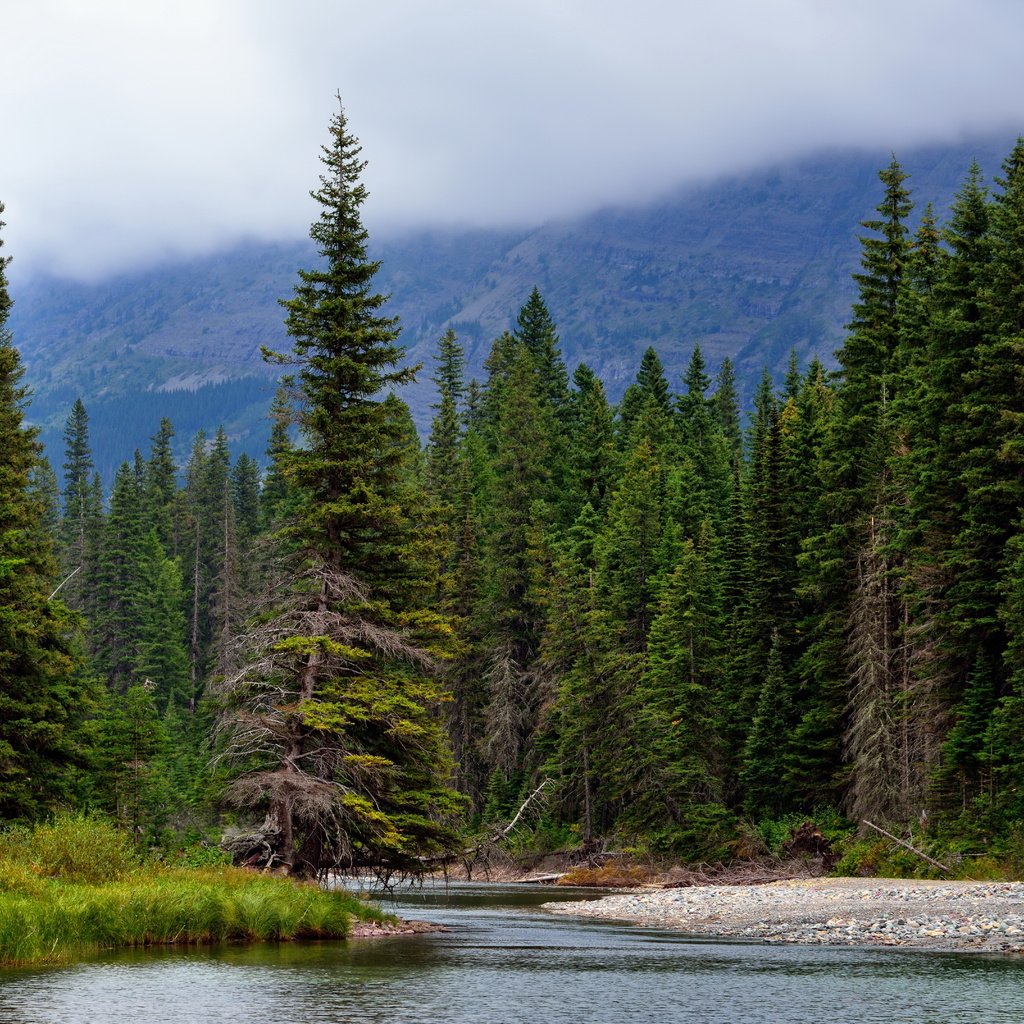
[(135, 132)]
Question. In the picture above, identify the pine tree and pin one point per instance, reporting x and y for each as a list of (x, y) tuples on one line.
[(337, 696), (764, 755), (650, 389), (78, 466), (162, 483), (592, 456), (444, 467), (131, 739), (275, 498), (42, 697), (726, 405), (120, 590), (161, 658), (990, 473), (630, 549), (677, 768), (515, 604), (536, 330), (587, 725)]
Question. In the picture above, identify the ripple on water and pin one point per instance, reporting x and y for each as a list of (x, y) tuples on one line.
[(505, 962)]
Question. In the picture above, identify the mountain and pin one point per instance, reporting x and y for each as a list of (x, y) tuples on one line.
[(751, 267)]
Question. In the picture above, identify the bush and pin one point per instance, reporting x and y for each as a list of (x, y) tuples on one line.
[(73, 848)]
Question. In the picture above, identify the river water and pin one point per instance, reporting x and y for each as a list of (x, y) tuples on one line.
[(505, 961)]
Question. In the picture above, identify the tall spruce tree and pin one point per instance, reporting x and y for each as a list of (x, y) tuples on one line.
[(337, 699), (78, 467), (42, 698)]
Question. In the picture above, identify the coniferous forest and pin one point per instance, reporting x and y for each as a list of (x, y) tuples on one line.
[(687, 618)]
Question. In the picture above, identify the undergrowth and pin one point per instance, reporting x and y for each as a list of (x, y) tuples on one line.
[(75, 886)]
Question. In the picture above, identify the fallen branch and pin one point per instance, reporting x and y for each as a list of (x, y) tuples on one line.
[(907, 846), (62, 582), (503, 832)]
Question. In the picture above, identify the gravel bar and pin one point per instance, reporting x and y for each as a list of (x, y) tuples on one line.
[(986, 917)]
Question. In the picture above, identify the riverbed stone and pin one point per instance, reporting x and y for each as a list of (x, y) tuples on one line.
[(940, 915)]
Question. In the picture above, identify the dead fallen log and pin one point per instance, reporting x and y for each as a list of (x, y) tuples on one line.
[(907, 846)]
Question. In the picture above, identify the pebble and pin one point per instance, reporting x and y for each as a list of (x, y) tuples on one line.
[(985, 917)]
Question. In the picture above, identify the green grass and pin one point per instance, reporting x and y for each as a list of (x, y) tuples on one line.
[(74, 887)]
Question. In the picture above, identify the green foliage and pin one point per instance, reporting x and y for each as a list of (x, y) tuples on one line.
[(73, 887), (74, 848), (328, 722), (43, 697), (675, 624)]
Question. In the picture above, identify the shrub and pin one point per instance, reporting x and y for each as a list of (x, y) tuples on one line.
[(74, 848)]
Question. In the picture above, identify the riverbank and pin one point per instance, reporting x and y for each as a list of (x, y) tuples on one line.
[(75, 886), (944, 916), (55, 921)]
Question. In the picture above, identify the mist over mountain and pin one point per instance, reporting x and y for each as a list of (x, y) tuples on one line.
[(749, 267)]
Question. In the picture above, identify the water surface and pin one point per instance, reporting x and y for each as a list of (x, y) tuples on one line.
[(504, 962)]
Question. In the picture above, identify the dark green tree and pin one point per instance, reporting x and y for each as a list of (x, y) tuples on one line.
[(337, 698), (42, 697)]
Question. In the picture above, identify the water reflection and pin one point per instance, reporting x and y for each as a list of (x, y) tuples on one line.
[(506, 962)]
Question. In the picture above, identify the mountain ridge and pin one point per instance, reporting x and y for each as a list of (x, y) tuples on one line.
[(751, 266)]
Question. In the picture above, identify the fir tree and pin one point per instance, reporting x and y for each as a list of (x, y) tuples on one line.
[(536, 330), (78, 466), (338, 695), (42, 698)]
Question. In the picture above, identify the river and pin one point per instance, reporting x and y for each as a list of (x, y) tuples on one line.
[(505, 961)]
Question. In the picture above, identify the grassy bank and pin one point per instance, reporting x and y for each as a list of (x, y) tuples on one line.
[(74, 887)]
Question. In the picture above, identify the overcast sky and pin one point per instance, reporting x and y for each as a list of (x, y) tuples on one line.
[(131, 130)]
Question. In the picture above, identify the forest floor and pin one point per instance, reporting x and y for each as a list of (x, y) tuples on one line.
[(983, 917)]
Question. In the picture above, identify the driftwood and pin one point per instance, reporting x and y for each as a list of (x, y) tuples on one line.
[(762, 872), (907, 846)]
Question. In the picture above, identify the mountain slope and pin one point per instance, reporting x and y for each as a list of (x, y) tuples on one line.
[(750, 267)]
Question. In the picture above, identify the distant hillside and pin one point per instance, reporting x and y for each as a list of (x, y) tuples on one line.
[(750, 267)]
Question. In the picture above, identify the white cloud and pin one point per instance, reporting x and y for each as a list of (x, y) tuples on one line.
[(130, 131)]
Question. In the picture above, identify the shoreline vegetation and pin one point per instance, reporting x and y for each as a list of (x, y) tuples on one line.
[(75, 887)]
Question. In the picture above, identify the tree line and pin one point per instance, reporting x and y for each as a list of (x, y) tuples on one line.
[(685, 617)]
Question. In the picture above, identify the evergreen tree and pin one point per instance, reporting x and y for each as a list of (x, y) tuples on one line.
[(650, 389), (989, 470), (162, 483), (78, 467), (630, 548), (42, 697), (677, 768), (515, 602), (120, 589), (764, 755), (588, 725), (726, 406), (131, 739), (276, 493), (592, 457), (338, 695), (444, 469), (161, 658), (536, 330)]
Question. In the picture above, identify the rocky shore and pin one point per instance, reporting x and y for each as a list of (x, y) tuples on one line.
[(952, 916)]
